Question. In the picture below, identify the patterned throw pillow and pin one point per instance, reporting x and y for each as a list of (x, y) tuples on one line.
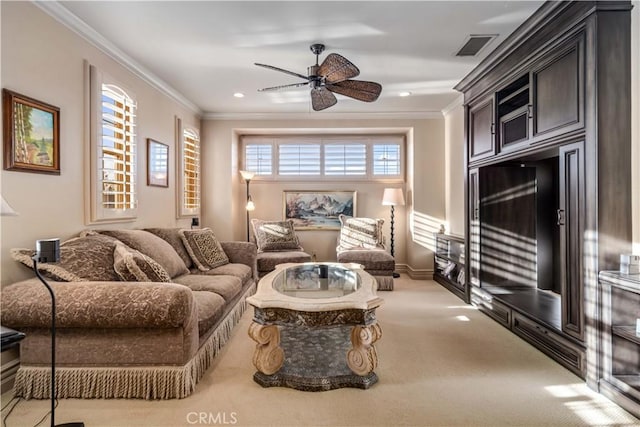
[(134, 266), (151, 245), (204, 249), (360, 233), (273, 236), (82, 258)]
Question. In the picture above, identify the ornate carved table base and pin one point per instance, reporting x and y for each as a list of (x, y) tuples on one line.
[(315, 351)]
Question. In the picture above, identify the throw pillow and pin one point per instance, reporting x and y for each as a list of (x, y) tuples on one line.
[(361, 233), (153, 246), (88, 257), (134, 266), (172, 236), (274, 236), (204, 249)]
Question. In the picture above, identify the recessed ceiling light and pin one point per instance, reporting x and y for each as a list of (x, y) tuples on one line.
[(239, 95), (404, 94)]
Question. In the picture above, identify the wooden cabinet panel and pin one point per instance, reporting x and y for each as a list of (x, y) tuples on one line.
[(571, 215), (491, 307), (566, 353), (481, 130), (558, 92)]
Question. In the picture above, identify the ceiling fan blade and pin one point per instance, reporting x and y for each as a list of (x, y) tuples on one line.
[(271, 67), (336, 68), (283, 86), (321, 98), (357, 89)]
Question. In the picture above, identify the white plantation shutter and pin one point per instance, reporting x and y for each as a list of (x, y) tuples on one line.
[(112, 193), (191, 169), (259, 158), (332, 157), (345, 159), (117, 149), (386, 160), (299, 159)]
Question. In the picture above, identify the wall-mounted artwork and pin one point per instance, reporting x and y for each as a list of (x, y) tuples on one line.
[(318, 210), (157, 163), (31, 134)]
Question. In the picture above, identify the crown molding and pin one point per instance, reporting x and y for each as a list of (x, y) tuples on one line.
[(75, 24), (458, 102), (325, 116)]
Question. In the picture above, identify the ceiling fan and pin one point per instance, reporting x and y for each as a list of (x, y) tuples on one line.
[(333, 75)]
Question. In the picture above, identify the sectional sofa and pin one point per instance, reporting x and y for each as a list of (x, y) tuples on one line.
[(140, 313)]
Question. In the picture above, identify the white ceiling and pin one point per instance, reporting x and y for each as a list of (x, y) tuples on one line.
[(205, 50)]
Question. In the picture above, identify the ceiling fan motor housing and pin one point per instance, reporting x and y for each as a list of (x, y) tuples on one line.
[(314, 79)]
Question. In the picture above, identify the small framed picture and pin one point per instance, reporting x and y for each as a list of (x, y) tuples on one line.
[(157, 163), (31, 134)]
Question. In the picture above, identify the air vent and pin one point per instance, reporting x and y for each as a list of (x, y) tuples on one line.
[(475, 43)]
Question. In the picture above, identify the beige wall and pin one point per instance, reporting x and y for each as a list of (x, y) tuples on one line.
[(635, 122), (424, 189), (46, 63), (454, 155)]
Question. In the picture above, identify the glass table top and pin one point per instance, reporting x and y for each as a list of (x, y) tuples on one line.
[(316, 281)]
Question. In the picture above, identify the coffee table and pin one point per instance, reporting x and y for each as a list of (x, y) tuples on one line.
[(315, 327)]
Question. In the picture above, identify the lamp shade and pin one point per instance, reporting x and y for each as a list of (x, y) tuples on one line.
[(247, 175), (6, 209), (393, 197)]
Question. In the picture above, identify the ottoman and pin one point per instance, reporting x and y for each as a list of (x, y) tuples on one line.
[(377, 262)]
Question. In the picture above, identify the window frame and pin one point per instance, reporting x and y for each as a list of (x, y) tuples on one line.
[(98, 213), (369, 140)]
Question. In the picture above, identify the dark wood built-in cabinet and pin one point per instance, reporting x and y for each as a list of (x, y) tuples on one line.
[(481, 130), (548, 183), (621, 339)]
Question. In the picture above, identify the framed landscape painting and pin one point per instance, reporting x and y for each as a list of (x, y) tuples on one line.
[(31, 134), (318, 210)]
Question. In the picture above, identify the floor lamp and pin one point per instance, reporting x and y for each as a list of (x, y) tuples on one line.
[(248, 176), (49, 251), (46, 251), (393, 197)]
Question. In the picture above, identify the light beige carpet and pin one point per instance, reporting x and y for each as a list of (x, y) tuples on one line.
[(442, 363)]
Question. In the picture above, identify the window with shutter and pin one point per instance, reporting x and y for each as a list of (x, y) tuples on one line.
[(347, 157), (191, 168), (259, 158), (299, 159), (386, 159), (113, 153)]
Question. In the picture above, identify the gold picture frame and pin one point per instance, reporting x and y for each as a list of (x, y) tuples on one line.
[(31, 134)]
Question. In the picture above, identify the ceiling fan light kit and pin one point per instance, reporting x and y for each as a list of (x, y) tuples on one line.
[(333, 75)]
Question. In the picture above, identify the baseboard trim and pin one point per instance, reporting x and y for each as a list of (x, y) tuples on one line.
[(415, 273)]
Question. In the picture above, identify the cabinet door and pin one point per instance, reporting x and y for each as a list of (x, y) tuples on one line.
[(571, 223), (557, 92), (474, 229), (481, 130)]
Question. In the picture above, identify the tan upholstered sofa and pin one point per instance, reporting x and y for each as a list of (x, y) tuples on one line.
[(151, 338)]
